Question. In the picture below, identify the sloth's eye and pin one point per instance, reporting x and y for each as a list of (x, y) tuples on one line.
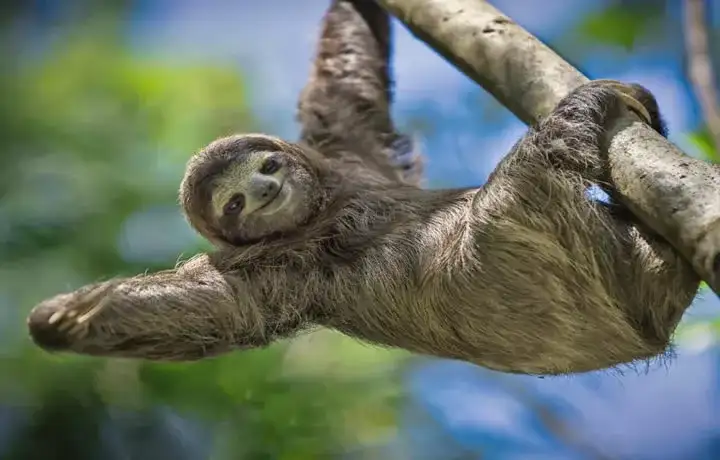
[(235, 205), (270, 166)]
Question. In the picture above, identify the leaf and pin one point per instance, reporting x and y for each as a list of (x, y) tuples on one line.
[(702, 140), (620, 25)]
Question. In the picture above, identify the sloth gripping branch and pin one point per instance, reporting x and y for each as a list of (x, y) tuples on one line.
[(675, 195)]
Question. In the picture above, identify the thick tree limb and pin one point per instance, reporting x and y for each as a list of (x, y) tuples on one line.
[(699, 65), (676, 195)]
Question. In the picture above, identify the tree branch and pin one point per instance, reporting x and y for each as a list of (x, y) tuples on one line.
[(675, 195), (700, 68)]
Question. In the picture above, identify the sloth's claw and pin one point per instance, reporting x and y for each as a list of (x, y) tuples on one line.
[(78, 330), (628, 95), (58, 322), (404, 156), (55, 317)]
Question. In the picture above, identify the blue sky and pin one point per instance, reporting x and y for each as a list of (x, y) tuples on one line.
[(669, 413)]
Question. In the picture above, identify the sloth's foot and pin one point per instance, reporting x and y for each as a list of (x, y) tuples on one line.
[(405, 157)]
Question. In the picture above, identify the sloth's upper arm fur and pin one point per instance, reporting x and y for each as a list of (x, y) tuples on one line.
[(344, 109)]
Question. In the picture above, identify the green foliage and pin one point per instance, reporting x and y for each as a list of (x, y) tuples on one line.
[(93, 138), (620, 24), (702, 140)]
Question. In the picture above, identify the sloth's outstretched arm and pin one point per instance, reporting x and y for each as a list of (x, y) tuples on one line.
[(185, 314), (344, 109)]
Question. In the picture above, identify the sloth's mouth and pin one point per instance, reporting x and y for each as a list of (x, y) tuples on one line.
[(272, 200)]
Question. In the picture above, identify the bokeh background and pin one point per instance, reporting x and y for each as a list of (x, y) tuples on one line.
[(101, 104)]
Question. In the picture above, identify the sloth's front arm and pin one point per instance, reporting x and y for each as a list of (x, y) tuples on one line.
[(185, 314)]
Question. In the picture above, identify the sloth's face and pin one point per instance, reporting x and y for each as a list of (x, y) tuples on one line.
[(263, 193), (242, 189)]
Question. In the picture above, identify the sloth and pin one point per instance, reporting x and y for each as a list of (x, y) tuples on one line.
[(525, 274)]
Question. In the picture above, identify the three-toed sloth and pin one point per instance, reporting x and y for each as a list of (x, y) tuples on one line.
[(525, 274)]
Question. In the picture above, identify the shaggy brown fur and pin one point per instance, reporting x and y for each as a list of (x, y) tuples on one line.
[(523, 275)]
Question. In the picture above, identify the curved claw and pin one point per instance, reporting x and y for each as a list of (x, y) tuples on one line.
[(405, 158), (46, 324), (56, 323), (625, 93), (403, 152)]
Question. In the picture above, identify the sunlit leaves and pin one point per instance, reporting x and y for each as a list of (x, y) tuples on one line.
[(702, 140), (621, 24), (283, 414)]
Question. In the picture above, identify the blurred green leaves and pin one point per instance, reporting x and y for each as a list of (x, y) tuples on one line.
[(702, 140), (621, 24)]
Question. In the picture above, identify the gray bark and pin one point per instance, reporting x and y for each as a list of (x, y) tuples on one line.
[(676, 195)]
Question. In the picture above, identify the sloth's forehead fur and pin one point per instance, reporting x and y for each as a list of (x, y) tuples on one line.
[(225, 154), (245, 144)]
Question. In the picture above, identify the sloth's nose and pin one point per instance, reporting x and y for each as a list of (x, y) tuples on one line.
[(264, 188), (45, 334)]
